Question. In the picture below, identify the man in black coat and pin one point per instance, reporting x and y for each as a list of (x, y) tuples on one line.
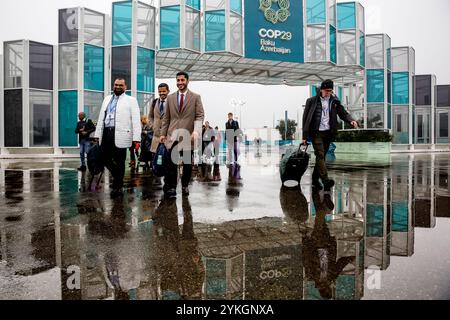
[(320, 126), (232, 133), (84, 128)]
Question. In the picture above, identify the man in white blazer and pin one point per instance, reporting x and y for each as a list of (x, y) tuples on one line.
[(118, 128)]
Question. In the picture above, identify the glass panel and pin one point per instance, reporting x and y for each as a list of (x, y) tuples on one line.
[(347, 48), (194, 4), (389, 89), (316, 43), (215, 31), (122, 24), (145, 70), (388, 52), (215, 4), (375, 86), (94, 65), (362, 50), (400, 124), (68, 66), (236, 6), (192, 29), (170, 27), (13, 118), (144, 100), (332, 12), (13, 65), (315, 11), (41, 66), (423, 90), (333, 44), (375, 219), (375, 116), (346, 15), (443, 96), (68, 118), (92, 104), (375, 53), (361, 24), (412, 60), (400, 88), (443, 125), (41, 118), (146, 26), (94, 28), (236, 34), (399, 59), (121, 65), (170, 2), (68, 25), (400, 216)]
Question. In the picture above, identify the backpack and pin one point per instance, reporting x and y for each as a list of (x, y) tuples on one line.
[(94, 160), (160, 161)]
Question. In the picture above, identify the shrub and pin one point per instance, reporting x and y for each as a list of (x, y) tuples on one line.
[(364, 136)]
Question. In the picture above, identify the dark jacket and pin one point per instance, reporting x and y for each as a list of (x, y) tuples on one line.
[(234, 125), (312, 116), (88, 127)]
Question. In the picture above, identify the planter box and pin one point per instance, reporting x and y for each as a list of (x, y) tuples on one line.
[(363, 147)]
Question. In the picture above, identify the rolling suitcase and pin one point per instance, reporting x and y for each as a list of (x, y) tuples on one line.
[(293, 164)]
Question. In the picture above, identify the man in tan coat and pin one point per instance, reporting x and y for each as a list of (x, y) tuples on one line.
[(180, 131), (156, 113)]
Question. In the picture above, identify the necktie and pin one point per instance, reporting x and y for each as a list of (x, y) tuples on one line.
[(181, 103), (161, 108)]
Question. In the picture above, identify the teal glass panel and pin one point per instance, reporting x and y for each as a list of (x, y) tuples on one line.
[(375, 220), (170, 27), (345, 287), (68, 186), (312, 293), (145, 70), (94, 66), (236, 6), (389, 88), (193, 4), (68, 118), (400, 216), (314, 91), (375, 86), (128, 93), (340, 96), (215, 30), (122, 24), (333, 44), (389, 58), (216, 278), (346, 15), (400, 88), (316, 11), (362, 50)]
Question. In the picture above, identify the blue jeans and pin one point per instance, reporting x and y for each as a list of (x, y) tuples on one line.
[(85, 145)]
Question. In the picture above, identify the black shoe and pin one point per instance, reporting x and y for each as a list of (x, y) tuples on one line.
[(117, 192), (82, 168), (317, 186), (185, 191), (171, 193), (328, 184)]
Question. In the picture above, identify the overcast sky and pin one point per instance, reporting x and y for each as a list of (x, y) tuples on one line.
[(421, 24)]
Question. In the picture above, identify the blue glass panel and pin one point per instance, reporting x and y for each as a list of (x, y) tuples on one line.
[(375, 220), (333, 42), (94, 66), (68, 113), (362, 50), (236, 6), (215, 30), (122, 24), (400, 88), (400, 216), (145, 70), (193, 3), (170, 27), (346, 14), (315, 11), (375, 86)]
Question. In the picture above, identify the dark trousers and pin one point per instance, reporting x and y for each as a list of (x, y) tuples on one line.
[(114, 158), (321, 142), (170, 180)]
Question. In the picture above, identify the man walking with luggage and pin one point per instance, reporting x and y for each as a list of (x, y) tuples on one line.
[(180, 131), (84, 128), (118, 128), (320, 127)]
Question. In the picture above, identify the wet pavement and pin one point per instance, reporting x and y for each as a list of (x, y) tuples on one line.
[(382, 233)]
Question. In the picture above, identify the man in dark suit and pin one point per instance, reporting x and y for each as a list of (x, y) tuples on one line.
[(320, 126), (232, 134), (84, 128), (180, 131)]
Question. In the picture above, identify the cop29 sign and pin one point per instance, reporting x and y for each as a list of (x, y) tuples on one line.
[(274, 30)]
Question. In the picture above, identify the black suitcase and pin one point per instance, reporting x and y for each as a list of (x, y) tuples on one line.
[(294, 164)]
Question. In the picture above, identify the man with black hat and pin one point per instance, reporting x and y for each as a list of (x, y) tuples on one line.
[(320, 126)]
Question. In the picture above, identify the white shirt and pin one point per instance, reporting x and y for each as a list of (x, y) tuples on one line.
[(110, 120), (325, 120), (179, 98)]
